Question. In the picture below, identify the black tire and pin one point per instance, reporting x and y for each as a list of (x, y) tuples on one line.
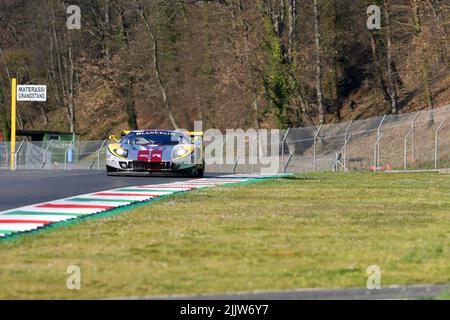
[(196, 172), (192, 172), (200, 171)]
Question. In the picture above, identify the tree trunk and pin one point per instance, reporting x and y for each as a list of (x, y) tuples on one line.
[(436, 8), (130, 108), (424, 68), (4, 63), (162, 88), (19, 118), (292, 9), (317, 36), (71, 106), (434, 5), (108, 26), (44, 115), (332, 52), (390, 73), (378, 69), (57, 52), (4, 124), (126, 81), (416, 17)]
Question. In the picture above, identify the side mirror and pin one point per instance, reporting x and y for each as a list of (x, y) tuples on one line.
[(113, 137)]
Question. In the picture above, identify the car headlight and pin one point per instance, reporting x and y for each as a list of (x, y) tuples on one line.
[(121, 152), (182, 152)]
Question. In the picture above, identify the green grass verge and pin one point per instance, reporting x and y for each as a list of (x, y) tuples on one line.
[(315, 230)]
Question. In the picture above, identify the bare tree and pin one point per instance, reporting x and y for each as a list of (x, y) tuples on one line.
[(436, 10), (155, 54), (125, 72), (61, 67), (292, 13), (317, 38), (420, 45), (392, 91)]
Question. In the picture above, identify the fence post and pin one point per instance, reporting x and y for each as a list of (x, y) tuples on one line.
[(414, 136), (257, 151), (314, 146), (344, 151), (98, 154), (436, 142), (405, 148), (65, 154), (376, 151), (44, 161), (223, 153), (345, 144), (16, 155), (282, 144), (236, 163), (285, 165)]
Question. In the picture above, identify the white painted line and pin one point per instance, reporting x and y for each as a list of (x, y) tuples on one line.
[(139, 190), (195, 186), (168, 187), (35, 217), (93, 199), (130, 199), (59, 210), (20, 226), (98, 202)]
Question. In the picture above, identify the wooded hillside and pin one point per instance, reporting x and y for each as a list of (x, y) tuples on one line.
[(231, 63)]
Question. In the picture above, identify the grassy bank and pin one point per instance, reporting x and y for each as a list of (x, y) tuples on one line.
[(316, 230)]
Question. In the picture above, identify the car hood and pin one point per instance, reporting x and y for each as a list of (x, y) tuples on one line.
[(135, 150)]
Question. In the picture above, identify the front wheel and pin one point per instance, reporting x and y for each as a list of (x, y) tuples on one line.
[(197, 171), (201, 171)]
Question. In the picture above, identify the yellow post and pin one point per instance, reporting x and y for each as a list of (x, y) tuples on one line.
[(13, 123)]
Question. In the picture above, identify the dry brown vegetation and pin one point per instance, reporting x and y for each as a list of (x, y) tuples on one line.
[(230, 63)]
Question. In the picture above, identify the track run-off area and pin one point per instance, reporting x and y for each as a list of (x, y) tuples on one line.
[(32, 198)]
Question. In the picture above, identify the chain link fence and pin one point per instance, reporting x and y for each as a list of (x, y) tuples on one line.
[(54, 154), (410, 141)]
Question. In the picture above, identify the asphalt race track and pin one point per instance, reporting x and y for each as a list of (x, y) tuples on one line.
[(26, 187), (388, 293)]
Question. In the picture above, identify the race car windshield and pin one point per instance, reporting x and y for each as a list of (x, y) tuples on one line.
[(155, 138)]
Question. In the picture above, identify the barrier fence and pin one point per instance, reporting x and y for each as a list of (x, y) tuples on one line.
[(410, 141)]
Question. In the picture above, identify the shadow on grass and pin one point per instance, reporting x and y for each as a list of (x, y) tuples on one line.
[(301, 178)]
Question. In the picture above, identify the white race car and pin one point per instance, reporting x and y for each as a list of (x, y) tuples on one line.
[(156, 151)]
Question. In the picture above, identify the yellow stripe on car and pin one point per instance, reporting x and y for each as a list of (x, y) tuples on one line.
[(114, 146)]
